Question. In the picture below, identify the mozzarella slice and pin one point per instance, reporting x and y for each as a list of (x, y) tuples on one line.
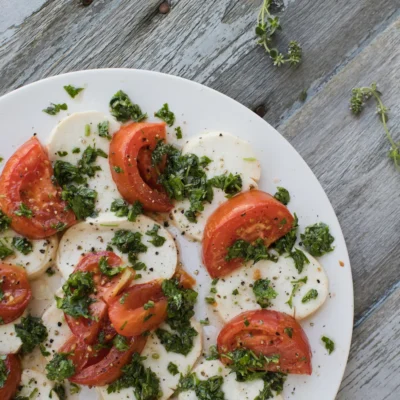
[(158, 359), (230, 155), (231, 388), (95, 234), (36, 384), (10, 343), (70, 134), (280, 274), (57, 328), (36, 262)]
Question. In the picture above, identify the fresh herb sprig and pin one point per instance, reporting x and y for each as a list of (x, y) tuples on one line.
[(357, 103), (267, 27), (32, 332)]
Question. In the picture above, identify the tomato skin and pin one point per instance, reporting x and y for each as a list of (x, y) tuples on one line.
[(130, 317), (87, 329), (248, 216), (79, 352), (13, 365), (263, 331), (124, 151), (17, 290), (184, 278), (110, 367), (26, 178), (150, 174)]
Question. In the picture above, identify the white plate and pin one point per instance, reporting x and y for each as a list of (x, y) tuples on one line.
[(198, 108)]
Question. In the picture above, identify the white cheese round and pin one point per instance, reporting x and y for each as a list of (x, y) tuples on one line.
[(37, 383)]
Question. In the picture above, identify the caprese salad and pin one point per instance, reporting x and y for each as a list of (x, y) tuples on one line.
[(94, 300)]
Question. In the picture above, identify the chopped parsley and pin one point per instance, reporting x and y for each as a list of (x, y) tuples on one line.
[(60, 368), (3, 371), (156, 240), (73, 91), (81, 200), (118, 170), (5, 251), (32, 332), (23, 245), (59, 226), (106, 270), (213, 353), (180, 310), (77, 290), (135, 210), (299, 259), (122, 209), (74, 388), (288, 331), (205, 322), (166, 115), (76, 150), (24, 211), (235, 292), (249, 252), (5, 221), (282, 195), (178, 132), (62, 153), (273, 384), (123, 298), (121, 343), (310, 295), (145, 383), (209, 389), (264, 292), (59, 390), (317, 240), (285, 244), (296, 285), (230, 184), (54, 109), (128, 242), (123, 109), (173, 369), (148, 305), (329, 344), (103, 129)]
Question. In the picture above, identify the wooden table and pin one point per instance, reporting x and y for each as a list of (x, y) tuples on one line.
[(346, 43)]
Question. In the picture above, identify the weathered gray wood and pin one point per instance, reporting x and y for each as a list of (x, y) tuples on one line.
[(212, 42), (374, 369)]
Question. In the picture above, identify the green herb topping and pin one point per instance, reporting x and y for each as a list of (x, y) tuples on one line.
[(166, 115), (5, 221), (32, 332), (359, 97), (123, 109), (156, 240), (296, 285), (5, 251), (103, 129), (178, 132), (282, 195), (118, 170), (210, 389), (128, 242), (72, 91), (81, 200), (173, 369), (23, 245), (310, 295), (60, 368), (121, 209), (329, 344), (264, 292), (24, 211), (299, 259), (288, 331), (3, 371), (317, 240), (180, 310), (285, 244), (77, 290), (145, 383), (54, 109), (62, 153), (105, 269), (59, 226), (249, 252), (59, 390), (121, 343)]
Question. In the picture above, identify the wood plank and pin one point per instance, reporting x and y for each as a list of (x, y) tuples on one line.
[(373, 370), (349, 156), (208, 41)]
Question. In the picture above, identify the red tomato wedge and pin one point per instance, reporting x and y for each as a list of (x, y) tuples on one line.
[(87, 329), (147, 171), (184, 278), (263, 332), (124, 152), (110, 367), (128, 314), (13, 366), (26, 180), (16, 291), (77, 351), (247, 216)]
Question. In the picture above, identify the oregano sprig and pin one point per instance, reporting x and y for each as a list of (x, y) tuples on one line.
[(267, 26), (357, 102)]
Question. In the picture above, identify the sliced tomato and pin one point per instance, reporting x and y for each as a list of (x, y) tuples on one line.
[(124, 152), (148, 173), (185, 279), (77, 352), (13, 366), (16, 292), (110, 367), (87, 329), (128, 314), (26, 180), (247, 216), (266, 332)]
